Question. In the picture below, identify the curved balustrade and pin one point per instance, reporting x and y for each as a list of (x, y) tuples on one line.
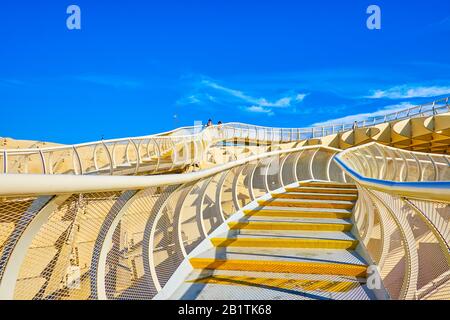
[(121, 156), (428, 130), (403, 217), (149, 154), (377, 161)]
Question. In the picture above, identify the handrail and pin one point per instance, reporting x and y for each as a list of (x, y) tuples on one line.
[(369, 144), (428, 190), (393, 205)]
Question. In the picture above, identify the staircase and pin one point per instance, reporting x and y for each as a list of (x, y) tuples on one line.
[(295, 245)]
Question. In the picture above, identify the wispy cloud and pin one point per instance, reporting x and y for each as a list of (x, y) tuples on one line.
[(259, 109), (443, 24), (300, 97), (262, 102), (109, 80), (11, 82), (406, 92), (368, 115), (197, 98), (208, 91)]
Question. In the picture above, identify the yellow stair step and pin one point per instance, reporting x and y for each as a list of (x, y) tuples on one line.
[(307, 204), (327, 184), (280, 266), (297, 214), (285, 243), (322, 190), (326, 285), (305, 226)]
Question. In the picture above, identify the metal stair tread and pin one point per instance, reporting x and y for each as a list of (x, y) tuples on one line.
[(326, 184), (287, 234), (343, 195), (276, 208), (275, 220), (245, 285), (324, 189), (286, 255), (307, 201)]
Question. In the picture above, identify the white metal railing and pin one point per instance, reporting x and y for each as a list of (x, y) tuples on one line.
[(174, 149), (377, 161), (124, 237), (403, 217), (289, 134)]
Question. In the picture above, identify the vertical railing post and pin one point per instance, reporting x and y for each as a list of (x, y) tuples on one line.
[(5, 161), (77, 157), (111, 168), (44, 165)]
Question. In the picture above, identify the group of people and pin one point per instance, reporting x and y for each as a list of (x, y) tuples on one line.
[(210, 123)]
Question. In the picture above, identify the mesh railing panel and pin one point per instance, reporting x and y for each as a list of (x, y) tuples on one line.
[(64, 245), (320, 162), (303, 172), (166, 252), (409, 241), (15, 216), (190, 225)]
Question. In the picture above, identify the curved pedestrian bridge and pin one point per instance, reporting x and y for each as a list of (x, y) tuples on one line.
[(203, 219)]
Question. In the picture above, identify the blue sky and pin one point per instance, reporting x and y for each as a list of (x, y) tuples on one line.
[(141, 67)]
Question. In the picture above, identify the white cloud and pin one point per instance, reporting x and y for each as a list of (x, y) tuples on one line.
[(196, 98), (362, 116), (280, 103), (300, 97), (283, 102), (259, 109), (191, 99), (405, 92), (208, 92)]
